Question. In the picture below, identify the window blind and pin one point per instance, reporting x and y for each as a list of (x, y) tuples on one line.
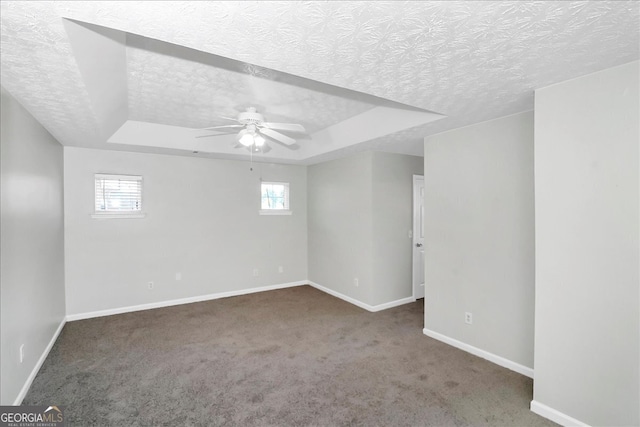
[(118, 193)]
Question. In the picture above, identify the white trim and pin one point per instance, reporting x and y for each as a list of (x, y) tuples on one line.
[(555, 415), (392, 304), (112, 215), (341, 296), (275, 212), (371, 308), (414, 230), (200, 298), (498, 360), (36, 368)]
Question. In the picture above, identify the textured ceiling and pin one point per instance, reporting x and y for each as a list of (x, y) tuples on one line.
[(189, 89), (85, 68)]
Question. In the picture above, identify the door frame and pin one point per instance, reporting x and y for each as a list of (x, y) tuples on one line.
[(416, 214)]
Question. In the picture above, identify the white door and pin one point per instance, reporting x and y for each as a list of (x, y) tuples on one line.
[(418, 236)]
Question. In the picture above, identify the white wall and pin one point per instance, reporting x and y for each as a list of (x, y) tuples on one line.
[(201, 221), (32, 294), (479, 236), (360, 213), (392, 207), (587, 258)]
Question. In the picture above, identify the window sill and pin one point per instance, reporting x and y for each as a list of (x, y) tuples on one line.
[(117, 215), (275, 212)]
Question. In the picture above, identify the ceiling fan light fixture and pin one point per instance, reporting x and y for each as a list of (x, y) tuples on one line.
[(258, 140), (245, 138)]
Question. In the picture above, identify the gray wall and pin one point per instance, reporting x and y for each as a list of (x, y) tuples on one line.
[(32, 293), (479, 236), (360, 213), (201, 221), (587, 260), (340, 223)]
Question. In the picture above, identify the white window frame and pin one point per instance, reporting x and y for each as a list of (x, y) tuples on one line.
[(276, 211), (116, 214)]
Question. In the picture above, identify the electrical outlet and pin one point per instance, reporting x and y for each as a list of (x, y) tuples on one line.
[(356, 283), (150, 285), (468, 318), (255, 272), (280, 269), (21, 353)]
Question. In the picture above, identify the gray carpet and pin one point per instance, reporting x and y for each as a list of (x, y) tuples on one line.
[(288, 357)]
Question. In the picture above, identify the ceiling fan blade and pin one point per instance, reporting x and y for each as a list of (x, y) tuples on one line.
[(221, 127), (285, 126), (277, 136), (215, 134), (228, 118)]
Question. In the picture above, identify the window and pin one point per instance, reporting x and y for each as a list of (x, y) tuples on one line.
[(118, 196), (274, 197)]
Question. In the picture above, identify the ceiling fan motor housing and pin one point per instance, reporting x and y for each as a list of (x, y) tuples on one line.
[(250, 117)]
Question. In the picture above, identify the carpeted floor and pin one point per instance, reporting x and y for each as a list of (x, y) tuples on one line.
[(295, 356)]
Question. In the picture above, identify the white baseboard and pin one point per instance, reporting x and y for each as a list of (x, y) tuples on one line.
[(391, 304), (200, 298), (36, 368), (554, 415), (498, 360), (160, 304), (372, 308)]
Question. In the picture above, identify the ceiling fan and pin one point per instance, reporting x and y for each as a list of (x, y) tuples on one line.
[(253, 129)]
